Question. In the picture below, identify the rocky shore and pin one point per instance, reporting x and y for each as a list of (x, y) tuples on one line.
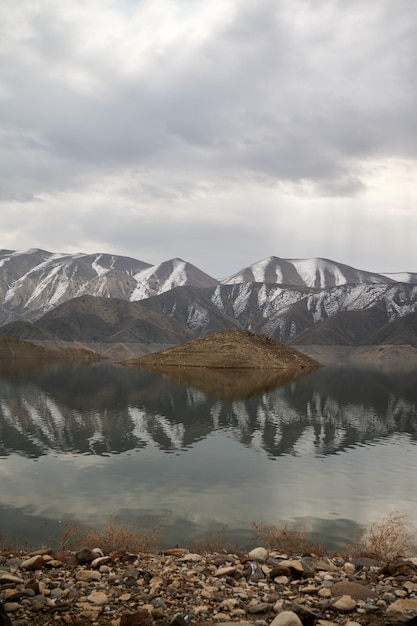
[(177, 588)]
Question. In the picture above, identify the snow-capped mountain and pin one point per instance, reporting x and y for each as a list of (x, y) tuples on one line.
[(36, 281), (283, 298), (318, 273), (283, 313)]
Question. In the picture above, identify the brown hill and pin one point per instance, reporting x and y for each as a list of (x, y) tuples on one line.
[(234, 348), (111, 326), (13, 348)]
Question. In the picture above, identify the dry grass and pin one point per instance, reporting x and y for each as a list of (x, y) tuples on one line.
[(7, 545), (391, 537), (71, 537), (112, 537), (213, 542), (283, 538)]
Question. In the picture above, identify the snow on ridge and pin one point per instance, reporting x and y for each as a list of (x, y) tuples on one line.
[(148, 283), (45, 281), (100, 270), (331, 301), (309, 269), (241, 301), (177, 277), (400, 277), (198, 317), (260, 268), (272, 300), (143, 280), (216, 298)]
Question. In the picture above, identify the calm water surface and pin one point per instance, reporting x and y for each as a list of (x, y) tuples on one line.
[(331, 451)]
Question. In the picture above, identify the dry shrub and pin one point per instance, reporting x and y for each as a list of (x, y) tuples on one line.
[(7, 545), (391, 537), (71, 537), (285, 539), (112, 537), (210, 543), (115, 537)]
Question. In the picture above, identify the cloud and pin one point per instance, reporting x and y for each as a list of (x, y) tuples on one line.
[(189, 110)]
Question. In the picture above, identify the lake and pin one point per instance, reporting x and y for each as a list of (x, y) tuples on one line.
[(331, 451)]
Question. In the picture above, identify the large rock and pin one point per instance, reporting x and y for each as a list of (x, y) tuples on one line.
[(355, 590), (402, 611), (286, 618)]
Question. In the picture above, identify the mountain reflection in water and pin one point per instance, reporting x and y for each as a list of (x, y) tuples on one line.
[(98, 431)]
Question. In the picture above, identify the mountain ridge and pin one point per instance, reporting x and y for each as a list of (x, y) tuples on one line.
[(130, 307)]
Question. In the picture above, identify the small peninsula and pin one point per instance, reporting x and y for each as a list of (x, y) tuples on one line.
[(233, 348)]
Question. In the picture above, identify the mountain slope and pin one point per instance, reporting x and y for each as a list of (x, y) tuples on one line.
[(400, 331), (318, 273), (347, 328), (14, 348), (284, 314), (90, 319), (98, 298), (288, 323), (192, 307), (34, 282)]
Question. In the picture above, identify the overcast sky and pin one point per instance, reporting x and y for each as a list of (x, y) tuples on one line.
[(221, 132)]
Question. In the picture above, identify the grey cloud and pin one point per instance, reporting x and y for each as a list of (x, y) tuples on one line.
[(298, 92), (252, 98)]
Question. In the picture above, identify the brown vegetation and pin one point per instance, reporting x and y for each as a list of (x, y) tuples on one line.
[(286, 539), (391, 537), (235, 348), (13, 348), (384, 540), (112, 537)]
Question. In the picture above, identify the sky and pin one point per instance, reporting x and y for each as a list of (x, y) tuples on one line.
[(220, 132)]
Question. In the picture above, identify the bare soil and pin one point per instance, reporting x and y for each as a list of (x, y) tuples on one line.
[(235, 348), (13, 348)]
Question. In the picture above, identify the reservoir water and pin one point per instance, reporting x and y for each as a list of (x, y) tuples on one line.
[(331, 451)]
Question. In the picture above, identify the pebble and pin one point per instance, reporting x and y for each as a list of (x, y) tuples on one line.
[(286, 618), (34, 563), (344, 603), (182, 588), (98, 597), (258, 554)]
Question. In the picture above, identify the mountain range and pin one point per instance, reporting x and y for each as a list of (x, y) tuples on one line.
[(123, 307)]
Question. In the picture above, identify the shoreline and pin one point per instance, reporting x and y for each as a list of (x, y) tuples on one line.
[(177, 587)]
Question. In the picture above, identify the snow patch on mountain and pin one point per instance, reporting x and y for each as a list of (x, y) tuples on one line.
[(100, 269), (241, 301), (316, 272), (177, 277), (198, 318), (272, 299), (259, 270), (403, 277), (217, 298), (151, 281), (45, 282)]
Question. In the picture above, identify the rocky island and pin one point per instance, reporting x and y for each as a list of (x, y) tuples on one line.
[(236, 348)]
